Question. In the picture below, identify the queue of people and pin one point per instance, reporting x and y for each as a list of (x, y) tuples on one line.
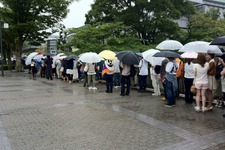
[(115, 73)]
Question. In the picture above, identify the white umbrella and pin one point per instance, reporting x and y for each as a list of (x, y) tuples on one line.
[(214, 49), (148, 56), (29, 57), (90, 57), (38, 57), (196, 46), (169, 45)]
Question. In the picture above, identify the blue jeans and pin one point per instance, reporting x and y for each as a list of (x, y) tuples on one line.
[(170, 93), (142, 81), (109, 82), (125, 80), (116, 79)]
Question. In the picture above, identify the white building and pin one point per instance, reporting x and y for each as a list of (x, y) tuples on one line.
[(205, 5)]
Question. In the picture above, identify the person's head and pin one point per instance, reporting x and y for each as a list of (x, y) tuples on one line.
[(201, 59), (48, 56), (171, 58), (209, 56)]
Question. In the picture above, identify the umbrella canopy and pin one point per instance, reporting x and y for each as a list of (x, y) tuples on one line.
[(189, 55), (196, 46), (71, 57), (38, 57), (108, 54), (167, 54), (218, 41), (148, 56), (128, 57), (29, 57), (214, 49), (90, 57), (169, 45)]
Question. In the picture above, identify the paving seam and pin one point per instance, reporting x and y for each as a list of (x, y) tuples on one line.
[(204, 142)]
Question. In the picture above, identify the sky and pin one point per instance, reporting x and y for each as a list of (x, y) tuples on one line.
[(76, 16)]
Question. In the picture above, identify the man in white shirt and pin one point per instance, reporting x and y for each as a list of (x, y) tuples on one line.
[(143, 73)]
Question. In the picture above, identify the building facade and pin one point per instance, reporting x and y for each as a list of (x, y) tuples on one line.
[(205, 6)]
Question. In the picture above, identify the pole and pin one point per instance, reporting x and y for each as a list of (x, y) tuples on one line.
[(2, 65)]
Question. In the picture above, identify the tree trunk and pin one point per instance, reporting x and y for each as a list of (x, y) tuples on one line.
[(18, 53)]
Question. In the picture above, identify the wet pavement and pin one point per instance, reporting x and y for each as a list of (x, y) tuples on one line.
[(44, 115)]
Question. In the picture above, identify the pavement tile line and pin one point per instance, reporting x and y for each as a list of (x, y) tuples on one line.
[(204, 142)]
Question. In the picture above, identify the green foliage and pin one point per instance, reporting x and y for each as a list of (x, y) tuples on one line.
[(113, 36), (152, 20)]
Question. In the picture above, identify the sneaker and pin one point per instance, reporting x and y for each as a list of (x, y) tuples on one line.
[(90, 88), (154, 94), (94, 88), (166, 105), (197, 108), (115, 87)]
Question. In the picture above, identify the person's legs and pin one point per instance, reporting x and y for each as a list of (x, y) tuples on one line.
[(107, 82), (122, 85), (94, 80), (203, 99), (89, 80), (111, 83), (198, 93), (169, 93), (128, 85), (210, 98), (144, 82)]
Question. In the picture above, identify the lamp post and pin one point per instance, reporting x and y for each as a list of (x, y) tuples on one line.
[(2, 64)]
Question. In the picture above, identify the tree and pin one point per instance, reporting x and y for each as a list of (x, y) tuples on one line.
[(29, 20), (113, 36), (205, 27), (153, 20)]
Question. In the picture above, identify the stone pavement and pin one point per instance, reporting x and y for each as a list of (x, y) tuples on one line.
[(46, 115)]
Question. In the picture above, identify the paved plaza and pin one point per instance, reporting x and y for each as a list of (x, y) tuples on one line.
[(53, 115)]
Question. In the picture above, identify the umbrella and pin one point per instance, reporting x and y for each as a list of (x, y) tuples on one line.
[(128, 57), (90, 57), (167, 54), (71, 57), (38, 57), (214, 49), (108, 54), (169, 45), (189, 55), (218, 41), (196, 46), (29, 57), (148, 56)]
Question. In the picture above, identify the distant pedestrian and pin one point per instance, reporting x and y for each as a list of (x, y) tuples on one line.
[(117, 73), (91, 75), (125, 79), (188, 80), (162, 76), (48, 64), (108, 70), (143, 73), (33, 69)]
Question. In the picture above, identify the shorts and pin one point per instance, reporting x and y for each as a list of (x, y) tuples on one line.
[(201, 86), (212, 83)]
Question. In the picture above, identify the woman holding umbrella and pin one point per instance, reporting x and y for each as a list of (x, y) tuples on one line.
[(125, 79)]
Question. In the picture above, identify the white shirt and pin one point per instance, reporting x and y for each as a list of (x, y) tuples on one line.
[(189, 71), (201, 76), (172, 66), (143, 65), (116, 66)]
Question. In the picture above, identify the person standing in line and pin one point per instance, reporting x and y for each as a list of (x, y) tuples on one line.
[(90, 67), (201, 81), (162, 76), (155, 81), (223, 81), (188, 80), (125, 79), (69, 70), (58, 66), (108, 70), (33, 69), (117, 74), (211, 80), (143, 73), (171, 82), (48, 63)]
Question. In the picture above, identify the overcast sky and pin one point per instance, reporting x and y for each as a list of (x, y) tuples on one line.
[(76, 16)]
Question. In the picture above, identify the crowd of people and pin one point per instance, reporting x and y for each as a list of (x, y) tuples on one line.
[(206, 73)]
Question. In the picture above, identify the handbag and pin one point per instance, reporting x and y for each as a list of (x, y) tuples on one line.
[(193, 89)]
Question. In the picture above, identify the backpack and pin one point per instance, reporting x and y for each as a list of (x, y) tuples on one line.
[(132, 71), (219, 68), (157, 69), (180, 70)]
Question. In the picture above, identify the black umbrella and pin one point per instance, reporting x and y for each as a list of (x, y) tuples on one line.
[(218, 41), (167, 54), (71, 57), (128, 57)]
